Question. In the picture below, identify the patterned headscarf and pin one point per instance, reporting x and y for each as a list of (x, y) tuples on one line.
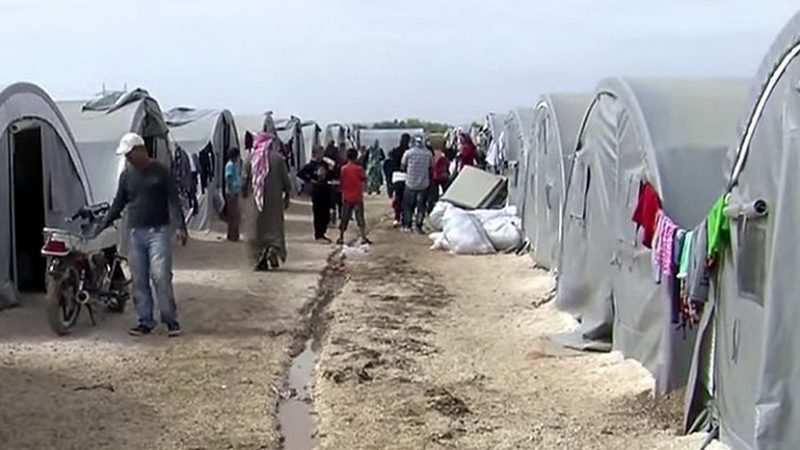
[(262, 143)]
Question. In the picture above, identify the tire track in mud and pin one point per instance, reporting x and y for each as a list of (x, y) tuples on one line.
[(296, 423)]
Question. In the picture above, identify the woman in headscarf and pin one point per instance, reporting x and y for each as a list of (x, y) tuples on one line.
[(375, 158), (266, 183), (467, 153)]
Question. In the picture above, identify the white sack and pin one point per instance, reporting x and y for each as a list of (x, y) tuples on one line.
[(436, 218), (504, 232), (464, 233)]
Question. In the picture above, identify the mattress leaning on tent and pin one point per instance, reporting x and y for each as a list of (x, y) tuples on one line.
[(672, 134), (43, 183), (557, 118), (205, 136), (750, 336), (518, 135)]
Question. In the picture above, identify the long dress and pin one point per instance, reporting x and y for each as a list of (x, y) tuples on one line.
[(266, 228), (375, 170)]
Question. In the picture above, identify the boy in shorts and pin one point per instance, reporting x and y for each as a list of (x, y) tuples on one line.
[(352, 181)]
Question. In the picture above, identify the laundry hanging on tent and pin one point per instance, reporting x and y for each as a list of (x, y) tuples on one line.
[(185, 181), (663, 247), (719, 229), (644, 216)]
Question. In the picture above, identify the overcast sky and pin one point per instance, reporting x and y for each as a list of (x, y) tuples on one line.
[(375, 59)]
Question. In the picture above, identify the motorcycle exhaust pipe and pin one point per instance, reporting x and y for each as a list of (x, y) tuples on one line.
[(82, 297)]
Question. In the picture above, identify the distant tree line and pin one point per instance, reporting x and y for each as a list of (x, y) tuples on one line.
[(429, 127)]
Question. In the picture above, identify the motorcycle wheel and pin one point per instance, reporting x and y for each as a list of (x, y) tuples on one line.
[(62, 306)]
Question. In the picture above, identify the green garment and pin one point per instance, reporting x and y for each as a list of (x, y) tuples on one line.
[(686, 255), (266, 229), (719, 228), (375, 158)]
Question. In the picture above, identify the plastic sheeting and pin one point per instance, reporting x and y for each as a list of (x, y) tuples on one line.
[(557, 120), (748, 348), (67, 186), (674, 135)]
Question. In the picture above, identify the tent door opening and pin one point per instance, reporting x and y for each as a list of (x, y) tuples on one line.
[(28, 219)]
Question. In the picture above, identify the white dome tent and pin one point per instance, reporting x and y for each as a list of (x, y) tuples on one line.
[(673, 134), (557, 118), (206, 136), (745, 376), (43, 182)]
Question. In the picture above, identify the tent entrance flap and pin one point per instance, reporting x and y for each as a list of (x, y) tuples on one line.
[(28, 218)]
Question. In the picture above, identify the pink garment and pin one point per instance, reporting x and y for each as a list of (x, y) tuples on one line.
[(656, 247), (666, 251), (259, 163)]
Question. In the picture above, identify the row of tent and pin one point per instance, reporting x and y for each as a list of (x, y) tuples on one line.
[(61, 155), (575, 165)]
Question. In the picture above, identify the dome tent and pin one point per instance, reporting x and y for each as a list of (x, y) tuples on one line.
[(206, 135), (745, 372), (673, 134), (518, 139), (98, 125), (557, 118), (39, 164)]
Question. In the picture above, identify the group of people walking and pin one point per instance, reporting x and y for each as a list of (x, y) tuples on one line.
[(258, 186)]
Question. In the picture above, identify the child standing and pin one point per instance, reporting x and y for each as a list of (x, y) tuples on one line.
[(352, 180)]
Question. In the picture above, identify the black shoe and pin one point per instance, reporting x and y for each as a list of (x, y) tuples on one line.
[(272, 258), (174, 330), (325, 239), (139, 330), (340, 241), (366, 241)]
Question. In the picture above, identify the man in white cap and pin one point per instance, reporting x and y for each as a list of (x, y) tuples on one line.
[(147, 189)]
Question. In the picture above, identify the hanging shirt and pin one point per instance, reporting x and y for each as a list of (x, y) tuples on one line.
[(656, 250), (646, 210), (719, 228)]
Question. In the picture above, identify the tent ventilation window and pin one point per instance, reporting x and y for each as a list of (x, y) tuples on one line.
[(750, 260)]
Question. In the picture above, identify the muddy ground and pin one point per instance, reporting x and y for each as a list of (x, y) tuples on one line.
[(419, 350), (209, 389), (425, 350)]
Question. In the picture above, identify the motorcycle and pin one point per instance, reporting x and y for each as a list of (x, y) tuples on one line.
[(83, 270)]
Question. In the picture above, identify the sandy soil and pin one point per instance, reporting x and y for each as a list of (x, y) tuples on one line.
[(428, 350), (210, 389)]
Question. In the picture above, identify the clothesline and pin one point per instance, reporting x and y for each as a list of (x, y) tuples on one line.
[(681, 258)]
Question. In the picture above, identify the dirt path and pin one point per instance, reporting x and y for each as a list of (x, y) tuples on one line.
[(210, 389), (427, 350)]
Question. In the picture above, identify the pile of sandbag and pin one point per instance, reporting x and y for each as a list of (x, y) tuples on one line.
[(477, 232)]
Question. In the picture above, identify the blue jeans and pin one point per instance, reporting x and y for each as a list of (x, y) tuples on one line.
[(151, 259), (414, 201)]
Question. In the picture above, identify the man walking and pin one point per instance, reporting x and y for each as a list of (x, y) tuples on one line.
[(417, 164), (148, 191)]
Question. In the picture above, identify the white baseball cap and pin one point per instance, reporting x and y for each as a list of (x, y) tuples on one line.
[(129, 142)]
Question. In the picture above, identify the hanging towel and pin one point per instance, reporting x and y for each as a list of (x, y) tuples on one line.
[(667, 241), (686, 252), (697, 280), (718, 228), (674, 282), (646, 212)]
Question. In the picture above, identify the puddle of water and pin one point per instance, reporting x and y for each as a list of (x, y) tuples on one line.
[(295, 414)]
